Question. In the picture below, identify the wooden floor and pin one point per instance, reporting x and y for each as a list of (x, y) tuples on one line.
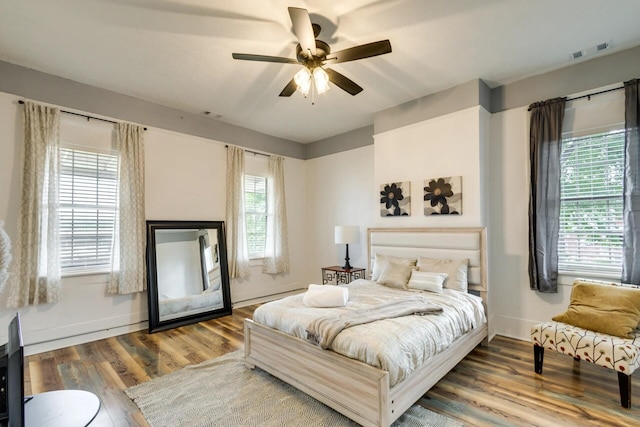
[(494, 385)]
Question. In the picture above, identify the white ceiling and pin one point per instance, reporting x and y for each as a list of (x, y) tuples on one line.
[(178, 52)]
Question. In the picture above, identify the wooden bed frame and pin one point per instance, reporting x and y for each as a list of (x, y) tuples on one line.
[(353, 388)]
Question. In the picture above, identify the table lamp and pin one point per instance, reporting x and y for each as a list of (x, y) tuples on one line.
[(345, 234)]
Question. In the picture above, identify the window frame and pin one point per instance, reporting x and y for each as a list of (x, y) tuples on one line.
[(584, 269), (93, 269), (256, 256)]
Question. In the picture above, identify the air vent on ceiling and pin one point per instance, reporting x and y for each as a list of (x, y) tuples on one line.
[(591, 50)]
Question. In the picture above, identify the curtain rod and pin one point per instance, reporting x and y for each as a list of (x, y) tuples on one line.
[(83, 115), (589, 95), (253, 152)]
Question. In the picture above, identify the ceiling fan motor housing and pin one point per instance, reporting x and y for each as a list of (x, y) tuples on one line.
[(322, 50)]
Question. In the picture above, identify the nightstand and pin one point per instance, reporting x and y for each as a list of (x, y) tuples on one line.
[(336, 275)]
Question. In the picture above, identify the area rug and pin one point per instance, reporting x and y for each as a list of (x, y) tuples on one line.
[(222, 392)]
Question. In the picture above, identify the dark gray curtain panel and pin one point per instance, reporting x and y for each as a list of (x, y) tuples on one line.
[(545, 139), (631, 242)]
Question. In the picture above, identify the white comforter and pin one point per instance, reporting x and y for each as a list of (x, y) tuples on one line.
[(398, 345)]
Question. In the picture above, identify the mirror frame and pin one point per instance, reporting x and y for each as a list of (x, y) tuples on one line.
[(155, 324)]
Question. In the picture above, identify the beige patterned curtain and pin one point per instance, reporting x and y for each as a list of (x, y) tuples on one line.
[(128, 273), (237, 251), (37, 260), (5, 256), (276, 253)]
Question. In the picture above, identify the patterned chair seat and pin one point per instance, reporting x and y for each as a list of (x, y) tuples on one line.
[(619, 354)]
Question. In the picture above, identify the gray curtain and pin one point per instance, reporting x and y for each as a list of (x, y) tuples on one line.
[(544, 199), (631, 194)]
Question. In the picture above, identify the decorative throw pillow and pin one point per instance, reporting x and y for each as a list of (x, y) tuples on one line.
[(396, 275), (381, 261), (456, 271), (427, 281), (611, 310)]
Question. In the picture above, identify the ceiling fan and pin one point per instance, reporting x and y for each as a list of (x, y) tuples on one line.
[(315, 55)]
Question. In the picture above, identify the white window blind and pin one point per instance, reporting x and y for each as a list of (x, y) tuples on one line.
[(255, 199), (88, 200), (591, 229)]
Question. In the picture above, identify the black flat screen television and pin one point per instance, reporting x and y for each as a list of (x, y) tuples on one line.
[(12, 377)]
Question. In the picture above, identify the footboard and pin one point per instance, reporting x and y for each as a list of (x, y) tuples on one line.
[(353, 388)]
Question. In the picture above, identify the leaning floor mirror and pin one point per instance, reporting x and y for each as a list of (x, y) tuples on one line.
[(188, 279)]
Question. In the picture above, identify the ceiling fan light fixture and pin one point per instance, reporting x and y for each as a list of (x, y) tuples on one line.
[(321, 79), (303, 80)]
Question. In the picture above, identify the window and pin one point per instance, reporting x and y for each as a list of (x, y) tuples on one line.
[(88, 200), (591, 186), (255, 200)]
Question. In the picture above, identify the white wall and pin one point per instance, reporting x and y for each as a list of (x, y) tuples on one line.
[(179, 269), (449, 145), (515, 308), (185, 180), (339, 192)]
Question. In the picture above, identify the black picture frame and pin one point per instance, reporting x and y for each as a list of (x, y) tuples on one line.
[(156, 323)]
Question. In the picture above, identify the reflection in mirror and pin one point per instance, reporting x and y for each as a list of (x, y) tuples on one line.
[(188, 280)]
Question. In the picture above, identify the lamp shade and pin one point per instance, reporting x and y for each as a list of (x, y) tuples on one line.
[(347, 234)]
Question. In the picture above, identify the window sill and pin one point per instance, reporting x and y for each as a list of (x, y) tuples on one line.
[(567, 277), (80, 273), (256, 262)]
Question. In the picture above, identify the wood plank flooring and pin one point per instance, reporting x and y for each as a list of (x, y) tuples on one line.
[(494, 386)]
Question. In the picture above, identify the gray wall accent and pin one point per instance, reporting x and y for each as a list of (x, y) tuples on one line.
[(582, 76), (437, 104), (592, 74), (39, 86), (346, 141), (484, 95)]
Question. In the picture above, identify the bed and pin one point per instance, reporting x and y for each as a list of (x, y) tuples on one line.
[(173, 308), (367, 394)]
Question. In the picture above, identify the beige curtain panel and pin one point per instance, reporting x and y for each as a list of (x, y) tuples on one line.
[(276, 253), (128, 273), (237, 250), (5, 256), (37, 261)]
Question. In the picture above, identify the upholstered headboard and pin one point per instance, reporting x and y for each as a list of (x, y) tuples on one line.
[(443, 243)]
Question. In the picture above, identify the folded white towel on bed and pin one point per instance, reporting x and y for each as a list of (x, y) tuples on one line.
[(326, 296)]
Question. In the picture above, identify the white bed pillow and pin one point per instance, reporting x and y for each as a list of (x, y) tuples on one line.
[(396, 275), (427, 281), (455, 269), (381, 261)]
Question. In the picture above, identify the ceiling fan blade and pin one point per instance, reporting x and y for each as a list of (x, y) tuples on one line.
[(264, 58), (359, 52), (343, 82), (289, 89), (303, 29)]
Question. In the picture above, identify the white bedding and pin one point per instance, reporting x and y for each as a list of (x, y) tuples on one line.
[(172, 308), (397, 345)]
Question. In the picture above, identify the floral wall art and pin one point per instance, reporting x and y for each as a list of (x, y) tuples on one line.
[(395, 199), (443, 196)]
